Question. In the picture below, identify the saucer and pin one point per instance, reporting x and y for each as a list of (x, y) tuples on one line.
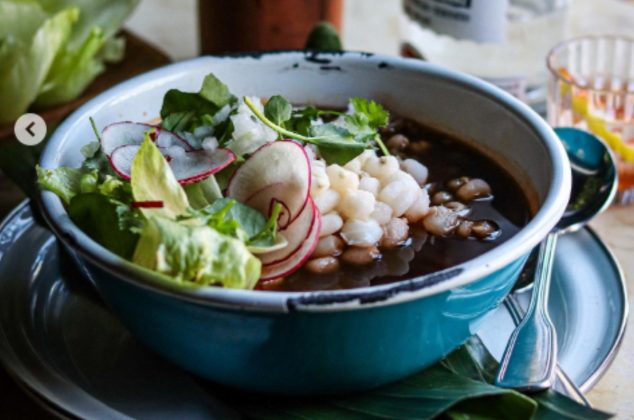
[(72, 354)]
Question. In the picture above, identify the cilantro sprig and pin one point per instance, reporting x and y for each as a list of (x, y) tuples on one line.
[(337, 143)]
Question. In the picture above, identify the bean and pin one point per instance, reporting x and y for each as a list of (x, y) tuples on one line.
[(464, 229), (397, 143), (459, 208), (485, 229), (419, 147), (441, 197), (454, 184), (323, 265), (474, 188), (329, 246), (355, 255)]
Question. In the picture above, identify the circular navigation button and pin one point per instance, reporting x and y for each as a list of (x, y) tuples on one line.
[(30, 129)]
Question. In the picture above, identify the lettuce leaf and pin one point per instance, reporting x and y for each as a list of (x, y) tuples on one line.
[(152, 180), (51, 50), (64, 181), (99, 217), (29, 58), (91, 44), (196, 254)]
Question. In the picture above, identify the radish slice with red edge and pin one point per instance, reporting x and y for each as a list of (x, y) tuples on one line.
[(296, 234), (278, 171), (124, 133), (148, 204), (295, 261), (188, 166)]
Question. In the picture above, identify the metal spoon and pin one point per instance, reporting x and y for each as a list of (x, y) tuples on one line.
[(530, 359)]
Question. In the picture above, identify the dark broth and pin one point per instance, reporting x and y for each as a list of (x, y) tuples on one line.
[(446, 158)]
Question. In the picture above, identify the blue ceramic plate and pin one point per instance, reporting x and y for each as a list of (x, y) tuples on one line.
[(60, 341)]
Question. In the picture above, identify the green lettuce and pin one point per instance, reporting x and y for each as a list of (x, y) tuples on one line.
[(63, 181), (153, 180), (26, 58), (51, 50), (196, 254), (99, 217)]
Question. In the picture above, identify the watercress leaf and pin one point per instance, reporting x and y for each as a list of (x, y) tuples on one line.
[(216, 92), (377, 115), (177, 121), (195, 254), (176, 101), (336, 144), (99, 218), (330, 133), (152, 180), (278, 110), (302, 119), (336, 154)]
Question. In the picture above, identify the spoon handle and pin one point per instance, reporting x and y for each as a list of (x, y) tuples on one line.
[(530, 360)]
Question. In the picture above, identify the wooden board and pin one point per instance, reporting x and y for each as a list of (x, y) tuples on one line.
[(140, 57)]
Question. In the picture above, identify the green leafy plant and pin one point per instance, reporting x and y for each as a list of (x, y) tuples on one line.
[(51, 50), (456, 388)]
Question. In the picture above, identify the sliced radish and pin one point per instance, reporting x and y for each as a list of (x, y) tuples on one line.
[(126, 132), (295, 234), (188, 166), (294, 261), (264, 200), (278, 171)]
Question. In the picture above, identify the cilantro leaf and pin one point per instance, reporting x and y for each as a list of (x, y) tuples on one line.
[(278, 110), (376, 115)]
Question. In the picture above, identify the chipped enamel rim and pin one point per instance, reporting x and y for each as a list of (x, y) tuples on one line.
[(321, 301)]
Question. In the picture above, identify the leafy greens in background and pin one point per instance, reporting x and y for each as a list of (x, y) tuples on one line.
[(51, 50), (456, 388)]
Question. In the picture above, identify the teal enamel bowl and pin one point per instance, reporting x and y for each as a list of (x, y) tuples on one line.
[(325, 342)]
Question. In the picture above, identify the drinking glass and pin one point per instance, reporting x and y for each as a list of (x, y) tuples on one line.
[(591, 86)]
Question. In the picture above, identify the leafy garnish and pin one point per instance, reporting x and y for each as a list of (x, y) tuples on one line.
[(336, 143), (240, 221), (198, 254), (64, 181), (185, 111), (152, 180), (98, 216), (203, 193), (278, 110), (268, 234)]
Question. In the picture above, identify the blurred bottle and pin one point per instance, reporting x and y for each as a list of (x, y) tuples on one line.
[(255, 25), (501, 41)]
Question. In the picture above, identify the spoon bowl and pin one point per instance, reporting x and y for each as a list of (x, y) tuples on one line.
[(594, 178)]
